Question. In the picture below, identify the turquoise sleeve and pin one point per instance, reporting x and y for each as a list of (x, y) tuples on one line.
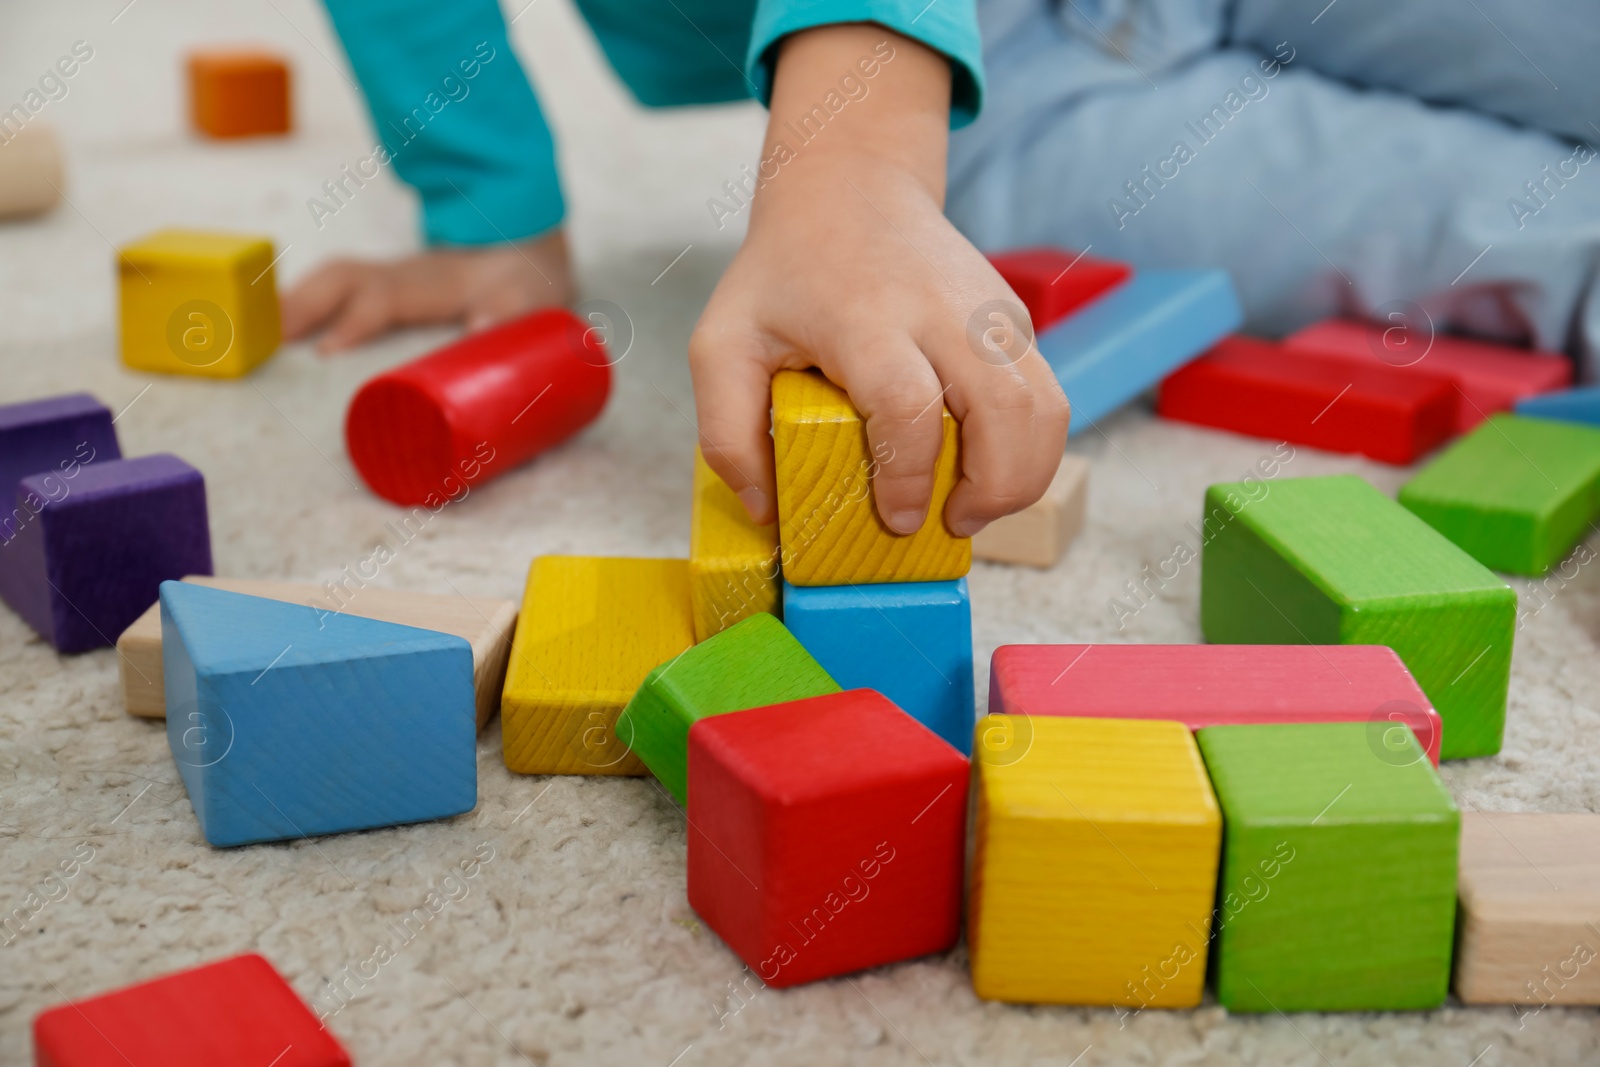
[(456, 115), (947, 26)]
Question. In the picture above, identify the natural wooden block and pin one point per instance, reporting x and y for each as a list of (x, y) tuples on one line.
[(1331, 560), (1095, 863), (1338, 886), (485, 623), (1053, 283), (1039, 533), (1530, 909), (749, 665), (1568, 405), (591, 629), (241, 93), (1515, 493), (733, 563), (828, 522), (198, 303), (30, 171)]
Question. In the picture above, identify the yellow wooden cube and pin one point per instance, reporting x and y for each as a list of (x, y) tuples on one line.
[(733, 563), (1095, 870), (589, 631), (198, 303), (828, 524)]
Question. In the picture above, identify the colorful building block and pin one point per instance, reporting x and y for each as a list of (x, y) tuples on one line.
[(422, 432), (1331, 560), (1128, 339), (1338, 885), (826, 835), (733, 563), (198, 303), (92, 559), (1219, 685), (286, 722), (1529, 932), (590, 631), (1567, 405), (1038, 534), (1515, 493), (1261, 389), (1095, 864), (241, 93), (1488, 377), (749, 665), (30, 171), (1052, 283), (485, 623), (56, 436), (911, 641)]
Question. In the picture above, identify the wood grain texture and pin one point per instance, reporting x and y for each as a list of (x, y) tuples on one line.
[(197, 302), (1052, 283), (591, 629), (1038, 535), (1338, 882), (828, 523), (239, 93), (1530, 909), (1568, 405), (31, 176), (485, 623), (733, 563), (1516, 493), (1095, 863), (1333, 561)]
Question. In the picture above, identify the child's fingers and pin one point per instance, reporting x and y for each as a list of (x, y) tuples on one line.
[(369, 312), (733, 403), (900, 397), (311, 301)]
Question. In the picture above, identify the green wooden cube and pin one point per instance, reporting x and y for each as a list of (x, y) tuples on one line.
[(1516, 493), (1338, 883), (1331, 560), (751, 664)]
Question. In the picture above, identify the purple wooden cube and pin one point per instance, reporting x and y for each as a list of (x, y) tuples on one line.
[(94, 557), (57, 435)]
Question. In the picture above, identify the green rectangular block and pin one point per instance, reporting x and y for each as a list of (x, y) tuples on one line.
[(751, 664), (1331, 560), (1516, 493), (1338, 882)]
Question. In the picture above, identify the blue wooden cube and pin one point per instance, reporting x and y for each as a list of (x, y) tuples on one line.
[(1565, 405), (56, 436), (286, 721), (911, 641)]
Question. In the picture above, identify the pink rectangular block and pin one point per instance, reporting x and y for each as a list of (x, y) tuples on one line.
[(1219, 685)]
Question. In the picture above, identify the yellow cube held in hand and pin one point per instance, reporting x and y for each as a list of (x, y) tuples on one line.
[(198, 303), (827, 521), (733, 563)]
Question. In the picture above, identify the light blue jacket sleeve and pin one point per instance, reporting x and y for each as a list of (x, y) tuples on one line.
[(456, 115)]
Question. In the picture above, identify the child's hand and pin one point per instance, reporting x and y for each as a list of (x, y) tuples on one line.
[(352, 301), (850, 266)]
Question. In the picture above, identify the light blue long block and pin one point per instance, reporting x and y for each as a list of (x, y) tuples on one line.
[(1567, 405), (287, 722), (1120, 344), (911, 641)]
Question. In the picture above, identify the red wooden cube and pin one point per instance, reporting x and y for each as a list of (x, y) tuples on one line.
[(235, 1011), (1053, 284), (826, 835)]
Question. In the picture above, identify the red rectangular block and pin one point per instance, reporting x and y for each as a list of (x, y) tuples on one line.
[(1261, 389), (1219, 685), (1053, 283), (1488, 377)]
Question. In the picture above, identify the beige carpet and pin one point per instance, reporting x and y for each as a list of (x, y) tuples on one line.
[(575, 944)]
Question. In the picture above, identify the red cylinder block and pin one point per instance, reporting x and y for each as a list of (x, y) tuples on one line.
[(478, 407)]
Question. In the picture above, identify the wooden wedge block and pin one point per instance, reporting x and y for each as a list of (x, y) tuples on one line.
[(1037, 535), (1338, 883), (827, 520), (1052, 283), (1331, 560), (1096, 843), (239, 93), (31, 175), (590, 631), (749, 665), (1530, 910), (1516, 493), (1220, 685), (733, 563), (1567, 405), (55, 436), (485, 623)]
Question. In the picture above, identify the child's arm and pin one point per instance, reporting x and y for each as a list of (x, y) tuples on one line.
[(850, 266)]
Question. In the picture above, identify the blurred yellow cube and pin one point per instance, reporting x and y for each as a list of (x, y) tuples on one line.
[(195, 302)]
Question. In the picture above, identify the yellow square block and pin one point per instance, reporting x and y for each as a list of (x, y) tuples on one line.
[(1095, 868), (589, 631), (198, 303), (733, 563), (829, 527)]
